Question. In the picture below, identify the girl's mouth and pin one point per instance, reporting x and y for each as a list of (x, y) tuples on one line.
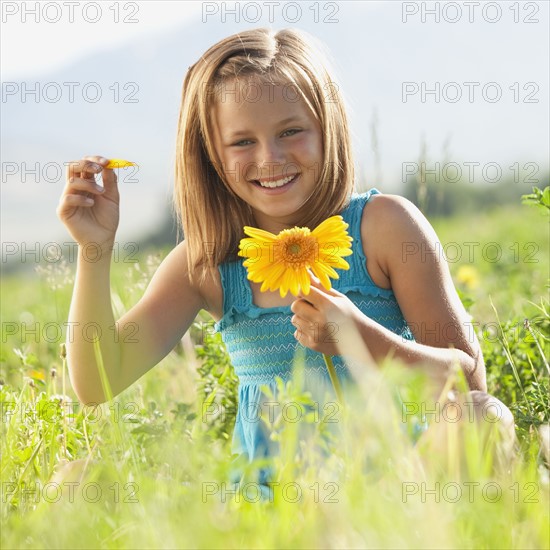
[(277, 185)]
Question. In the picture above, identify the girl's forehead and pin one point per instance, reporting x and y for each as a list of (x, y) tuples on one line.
[(254, 95), (253, 89)]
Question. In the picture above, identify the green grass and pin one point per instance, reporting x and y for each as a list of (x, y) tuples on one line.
[(521, 236), (157, 456)]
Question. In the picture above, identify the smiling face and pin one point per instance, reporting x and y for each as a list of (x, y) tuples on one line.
[(270, 148)]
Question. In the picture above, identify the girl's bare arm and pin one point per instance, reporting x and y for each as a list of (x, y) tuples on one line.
[(404, 254), (149, 330), (409, 253), (141, 338)]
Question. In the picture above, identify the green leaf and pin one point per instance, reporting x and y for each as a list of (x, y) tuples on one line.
[(546, 197)]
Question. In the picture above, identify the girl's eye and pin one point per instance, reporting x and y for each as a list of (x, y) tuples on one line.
[(239, 143), (243, 142)]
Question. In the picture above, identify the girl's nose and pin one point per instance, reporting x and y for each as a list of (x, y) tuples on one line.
[(271, 154)]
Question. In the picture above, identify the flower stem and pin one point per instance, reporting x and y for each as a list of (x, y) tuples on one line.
[(333, 377)]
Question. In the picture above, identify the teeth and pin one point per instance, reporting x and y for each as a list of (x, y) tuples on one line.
[(277, 183)]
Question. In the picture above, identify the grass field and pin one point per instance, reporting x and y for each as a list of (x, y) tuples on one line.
[(150, 468)]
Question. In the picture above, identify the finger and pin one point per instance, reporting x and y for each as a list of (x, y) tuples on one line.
[(69, 202), (109, 176), (316, 295), (298, 321), (83, 168), (110, 182), (301, 306), (299, 335), (84, 185), (98, 159), (72, 167), (304, 338), (316, 282)]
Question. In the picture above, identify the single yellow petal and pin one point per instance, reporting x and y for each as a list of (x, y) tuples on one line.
[(285, 282), (334, 248), (322, 276), (250, 263), (334, 261), (259, 267), (330, 224), (305, 282), (250, 249), (247, 241), (294, 285), (329, 232), (326, 267), (119, 163), (259, 234)]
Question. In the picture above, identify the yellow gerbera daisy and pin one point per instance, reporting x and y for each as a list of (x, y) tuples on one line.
[(282, 261)]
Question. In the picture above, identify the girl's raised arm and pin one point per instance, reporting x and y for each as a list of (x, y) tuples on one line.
[(149, 330)]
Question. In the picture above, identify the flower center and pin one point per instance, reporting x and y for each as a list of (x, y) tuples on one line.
[(293, 249), (297, 248)]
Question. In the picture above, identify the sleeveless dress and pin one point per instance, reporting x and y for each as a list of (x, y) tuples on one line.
[(261, 344)]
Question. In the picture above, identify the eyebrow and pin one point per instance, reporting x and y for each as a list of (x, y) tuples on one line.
[(239, 133)]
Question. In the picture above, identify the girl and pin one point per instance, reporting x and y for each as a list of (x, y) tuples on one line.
[(263, 141)]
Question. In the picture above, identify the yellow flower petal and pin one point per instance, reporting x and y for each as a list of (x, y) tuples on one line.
[(334, 261), (322, 276), (294, 285), (119, 163), (305, 282), (259, 234), (283, 289), (272, 275), (327, 269)]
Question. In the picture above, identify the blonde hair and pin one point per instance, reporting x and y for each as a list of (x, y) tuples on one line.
[(211, 215)]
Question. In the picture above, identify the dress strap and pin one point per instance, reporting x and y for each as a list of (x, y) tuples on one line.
[(234, 285), (352, 215)]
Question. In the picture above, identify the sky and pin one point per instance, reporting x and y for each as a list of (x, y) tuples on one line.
[(35, 44), (378, 46)]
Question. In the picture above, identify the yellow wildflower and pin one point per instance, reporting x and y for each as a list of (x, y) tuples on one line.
[(468, 276), (282, 261)]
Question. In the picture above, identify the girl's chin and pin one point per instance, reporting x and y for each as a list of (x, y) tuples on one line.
[(273, 219)]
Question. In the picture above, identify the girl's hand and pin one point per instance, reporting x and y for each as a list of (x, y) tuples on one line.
[(319, 315), (90, 212)]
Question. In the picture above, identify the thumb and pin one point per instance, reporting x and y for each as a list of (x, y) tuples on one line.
[(110, 182), (316, 282)]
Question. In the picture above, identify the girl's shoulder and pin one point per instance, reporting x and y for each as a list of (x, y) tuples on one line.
[(380, 210), (380, 204), (390, 226)]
